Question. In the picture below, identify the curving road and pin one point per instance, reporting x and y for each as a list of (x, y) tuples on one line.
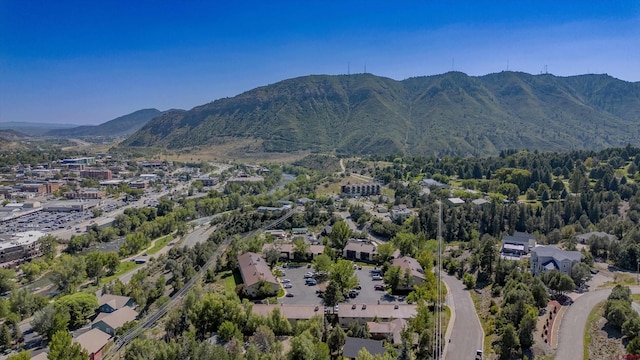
[(571, 340), (467, 335)]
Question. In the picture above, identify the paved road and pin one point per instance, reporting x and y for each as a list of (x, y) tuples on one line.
[(467, 335), (575, 320)]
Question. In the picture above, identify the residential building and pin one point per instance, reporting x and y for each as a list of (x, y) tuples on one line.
[(359, 250), (400, 213), (254, 270), (208, 181), (352, 347), (413, 266), (454, 201), (293, 313), (110, 322), (360, 189), (582, 238), (431, 183), (517, 244), (287, 250), (387, 330), (548, 258), (363, 313), (480, 202), (93, 341), (109, 303)]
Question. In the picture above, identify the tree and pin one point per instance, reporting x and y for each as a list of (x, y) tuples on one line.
[(340, 234), (7, 280), (488, 253), (393, 276), (68, 272), (43, 321), (111, 261), (617, 312), (229, 330), (5, 337), (633, 347), (48, 244), (343, 275), (263, 338), (332, 294), (300, 250), (80, 306), (385, 252), (580, 273), (95, 265), (358, 331), (531, 194), (22, 355), (509, 342), (631, 327), (62, 348), (322, 264), (527, 326), (407, 280), (540, 293), (272, 255), (302, 347), (336, 341), (469, 281)]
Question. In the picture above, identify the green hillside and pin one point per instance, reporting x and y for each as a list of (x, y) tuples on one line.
[(450, 113), (121, 126)]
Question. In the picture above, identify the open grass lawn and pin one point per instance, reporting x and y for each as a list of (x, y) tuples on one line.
[(123, 268), (160, 244), (229, 282)]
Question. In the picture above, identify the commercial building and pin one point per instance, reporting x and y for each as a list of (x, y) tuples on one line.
[(359, 251), (85, 194), (96, 174), (18, 248)]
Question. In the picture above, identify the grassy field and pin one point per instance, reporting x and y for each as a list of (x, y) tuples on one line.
[(621, 279), (123, 268), (159, 244)]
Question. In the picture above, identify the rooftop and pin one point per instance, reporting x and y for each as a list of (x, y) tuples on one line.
[(381, 311), (556, 254), (254, 268), (93, 340), (295, 312)]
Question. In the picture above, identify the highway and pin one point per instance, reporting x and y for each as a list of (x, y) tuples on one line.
[(467, 335)]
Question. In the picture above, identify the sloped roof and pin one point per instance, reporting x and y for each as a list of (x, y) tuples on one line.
[(519, 238), (556, 254), (381, 311), (115, 301), (407, 262), (292, 312), (119, 317), (361, 246), (353, 345), (254, 268), (93, 340), (585, 237), (393, 328)]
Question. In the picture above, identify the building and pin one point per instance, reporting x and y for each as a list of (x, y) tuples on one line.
[(254, 271), (352, 347), (19, 248), (415, 269), (139, 184), (110, 322), (454, 201), (208, 181), (480, 202), (548, 258), (364, 313), (268, 209), (287, 251), (85, 194), (431, 183), (582, 238), (93, 341), (400, 213), (359, 251), (76, 161), (517, 244), (69, 205), (387, 330), (293, 313), (360, 189), (37, 188), (96, 174), (108, 303)]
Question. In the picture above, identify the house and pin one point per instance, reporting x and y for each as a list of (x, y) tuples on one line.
[(582, 238), (364, 313), (400, 213), (287, 251), (387, 330), (254, 270), (431, 183), (517, 244), (299, 231), (454, 201), (110, 322), (359, 250), (304, 201), (352, 347), (480, 202), (415, 269), (547, 258), (293, 313), (109, 303), (93, 341)]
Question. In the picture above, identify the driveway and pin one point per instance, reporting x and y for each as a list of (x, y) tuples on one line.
[(467, 335)]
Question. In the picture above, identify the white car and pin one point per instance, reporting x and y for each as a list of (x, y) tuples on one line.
[(285, 281), (376, 277)]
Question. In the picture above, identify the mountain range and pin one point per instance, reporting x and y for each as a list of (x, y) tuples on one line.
[(121, 126), (451, 113)]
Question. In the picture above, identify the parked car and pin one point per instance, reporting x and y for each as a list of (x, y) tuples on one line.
[(379, 287), (285, 281), (376, 277), (311, 282), (288, 286), (289, 295)]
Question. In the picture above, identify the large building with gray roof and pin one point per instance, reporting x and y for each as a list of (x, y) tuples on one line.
[(548, 258)]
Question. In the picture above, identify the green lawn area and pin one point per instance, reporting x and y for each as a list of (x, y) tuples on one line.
[(160, 244), (229, 282), (123, 267)]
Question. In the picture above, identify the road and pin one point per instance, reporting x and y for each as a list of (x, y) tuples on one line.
[(467, 335), (575, 320)]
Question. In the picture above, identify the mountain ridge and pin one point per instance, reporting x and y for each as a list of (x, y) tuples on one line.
[(124, 125), (450, 113)]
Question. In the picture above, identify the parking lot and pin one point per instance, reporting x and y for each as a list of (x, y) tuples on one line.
[(305, 294)]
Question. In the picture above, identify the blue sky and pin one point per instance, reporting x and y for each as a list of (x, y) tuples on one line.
[(87, 62)]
